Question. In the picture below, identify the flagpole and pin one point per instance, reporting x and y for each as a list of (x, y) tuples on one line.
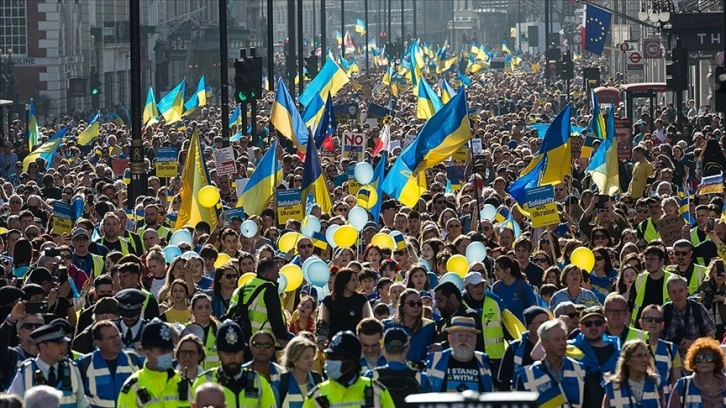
[(224, 71), (476, 188), (139, 178), (365, 6)]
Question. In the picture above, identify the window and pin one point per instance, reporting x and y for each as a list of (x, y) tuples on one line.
[(13, 27)]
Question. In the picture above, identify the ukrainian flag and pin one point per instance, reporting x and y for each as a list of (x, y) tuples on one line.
[(603, 167), (261, 186), (428, 103), (194, 177), (46, 151), (446, 91), (339, 38), (440, 137), (171, 105), (151, 112), (502, 215), (287, 119), (360, 26), (598, 121), (91, 132), (33, 130), (464, 79), (505, 48), (551, 164), (330, 79), (236, 118), (313, 184), (197, 100), (377, 183), (685, 210)]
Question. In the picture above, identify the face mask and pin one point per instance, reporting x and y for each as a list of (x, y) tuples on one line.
[(164, 361), (334, 369)]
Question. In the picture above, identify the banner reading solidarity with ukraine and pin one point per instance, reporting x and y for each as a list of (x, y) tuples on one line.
[(541, 206)]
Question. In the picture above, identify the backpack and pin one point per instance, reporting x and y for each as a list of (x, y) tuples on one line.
[(240, 312), (400, 383)]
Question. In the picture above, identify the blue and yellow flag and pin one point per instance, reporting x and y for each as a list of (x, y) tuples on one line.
[(329, 80), (236, 118), (502, 214), (598, 121), (427, 103), (440, 137), (91, 132), (171, 105), (685, 210), (151, 112), (33, 129), (505, 48), (287, 119), (551, 164), (313, 182), (360, 26), (603, 167), (447, 92), (197, 100), (377, 183), (194, 177), (46, 151), (339, 38), (464, 79), (261, 186)]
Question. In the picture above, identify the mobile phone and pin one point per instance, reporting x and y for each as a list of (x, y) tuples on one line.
[(62, 275), (602, 199), (711, 224), (36, 307)]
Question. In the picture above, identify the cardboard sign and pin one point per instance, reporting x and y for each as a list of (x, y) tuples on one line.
[(541, 206), (346, 112), (354, 146), (224, 161), (456, 175), (119, 166), (167, 164), (62, 218), (461, 155), (669, 228), (711, 185), (289, 205)]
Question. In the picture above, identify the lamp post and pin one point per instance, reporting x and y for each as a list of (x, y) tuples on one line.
[(657, 12)]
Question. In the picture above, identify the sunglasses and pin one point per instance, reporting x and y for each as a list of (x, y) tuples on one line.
[(80, 239), (411, 303), (230, 276), (31, 326), (651, 319), (599, 258), (705, 358), (642, 211), (341, 209), (399, 253), (541, 260), (596, 323), (262, 346), (303, 246)]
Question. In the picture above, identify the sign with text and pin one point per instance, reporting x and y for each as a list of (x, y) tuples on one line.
[(62, 217), (234, 212), (289, 205), (167, 164), (345, 112), (456, 176), (224, 161), (354, 146), (669, 228), (542, 207), (699, 31), (476, 147)]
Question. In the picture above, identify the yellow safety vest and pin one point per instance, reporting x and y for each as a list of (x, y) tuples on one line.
[(697, 277), (650, 233), (640, 292), (256, 391), (155, 389), (122, 242), (257, 310), (210, 349), (491, 323), (339, 396)]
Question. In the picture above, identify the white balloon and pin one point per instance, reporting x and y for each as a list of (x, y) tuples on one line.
[(311, 225), (476, 252), (248, 228), (329, 235), (363, 173), (358, 217), (488, 212)]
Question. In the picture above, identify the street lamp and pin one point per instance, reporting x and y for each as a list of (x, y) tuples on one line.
[(657, 12)]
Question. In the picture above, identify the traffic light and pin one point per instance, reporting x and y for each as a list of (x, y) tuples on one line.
[(677, 70), (568, 70), (719, 89), (95, 83), (247, 77), (311, 63)]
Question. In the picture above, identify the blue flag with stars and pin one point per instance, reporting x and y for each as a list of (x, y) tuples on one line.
[(326, 127), (597, 25)]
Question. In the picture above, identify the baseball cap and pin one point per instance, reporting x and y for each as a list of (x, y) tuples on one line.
[(77, 232), (473, 278), (592, 311), (395, 339)]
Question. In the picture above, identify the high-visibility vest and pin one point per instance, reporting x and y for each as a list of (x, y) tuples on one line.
[(663, 356), (622, 397), (640, 292), (571, 390), (491, 323), (697, 277), (102, 389), (275, 370), (68, 380), (650, 233), (256, 310), (519, 352), (690, 395), (155, 389), (338, 395), (255, 391), (438, 362), (122, 242)]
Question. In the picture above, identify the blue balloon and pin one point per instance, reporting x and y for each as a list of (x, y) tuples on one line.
[(171, 252), (181, 236), (319, 273), (358, 217), (310, 226), (425, 264), (488, 212), (307, 264), (281, 283), (329, 235), (363, 172), (248, 228), (433, 279), (453, 278), (476, 252)]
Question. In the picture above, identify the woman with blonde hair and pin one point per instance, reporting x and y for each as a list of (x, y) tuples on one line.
[(706, 387), (299, 378), (635, 381)]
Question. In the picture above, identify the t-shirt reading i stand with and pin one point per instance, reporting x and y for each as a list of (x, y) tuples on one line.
[(462, 376)]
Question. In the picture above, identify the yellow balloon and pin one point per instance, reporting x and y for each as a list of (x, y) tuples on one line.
[(345, 236), (245, 278), (222, 259), (288, 241), (458, 264), (367, 197), (208, 196), (294, 276), (583, 258), (383, 240), (3, 230)]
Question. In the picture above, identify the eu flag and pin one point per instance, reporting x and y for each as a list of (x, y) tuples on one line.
[(597, 25)]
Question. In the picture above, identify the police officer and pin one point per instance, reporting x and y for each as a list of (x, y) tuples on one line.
[(51, 367), (131, 325), (242, 386), (345, 386), (156, 385), (105, 370)]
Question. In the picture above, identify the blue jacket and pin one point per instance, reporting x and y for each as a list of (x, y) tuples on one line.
[(419, 341), (589, 358)]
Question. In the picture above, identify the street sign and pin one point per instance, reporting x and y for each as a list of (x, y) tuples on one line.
[(635, 57), (699, 31), (270, 97), (624, 47), (635, 73), (652, 49)]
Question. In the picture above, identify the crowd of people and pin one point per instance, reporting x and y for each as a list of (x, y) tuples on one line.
[(102, 316)]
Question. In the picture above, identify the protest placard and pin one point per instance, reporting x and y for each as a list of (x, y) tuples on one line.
[(167, 163), (541, 206)]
